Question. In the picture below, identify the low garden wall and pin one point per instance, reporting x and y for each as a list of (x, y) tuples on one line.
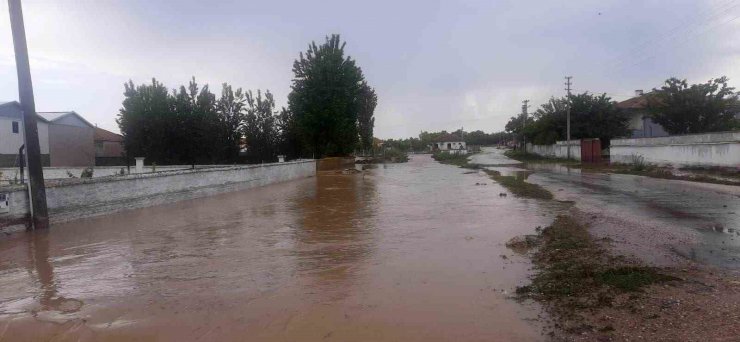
[(557, 150), (709, 149), (71, 199)]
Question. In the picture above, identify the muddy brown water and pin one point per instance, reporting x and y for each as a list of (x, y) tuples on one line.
[(404, 252)]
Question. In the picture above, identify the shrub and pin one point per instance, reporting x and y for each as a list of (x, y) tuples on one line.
[(87, 173)]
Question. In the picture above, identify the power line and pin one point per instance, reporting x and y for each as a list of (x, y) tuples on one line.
[(712, 14), (567, 89)]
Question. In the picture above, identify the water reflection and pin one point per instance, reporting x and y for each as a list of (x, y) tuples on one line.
[(335, 226), (41, 266)]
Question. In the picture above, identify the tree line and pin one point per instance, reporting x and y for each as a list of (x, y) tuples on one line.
[(425, 139), (330, 113), (678, 107)]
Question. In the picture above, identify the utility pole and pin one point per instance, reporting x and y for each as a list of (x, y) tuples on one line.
[(525, 106), (36, 190), (567, 89)]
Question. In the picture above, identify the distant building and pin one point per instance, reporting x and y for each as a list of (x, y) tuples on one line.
[(640, 124), (108, 148), (12, 133), (449, 143), (71, 139)]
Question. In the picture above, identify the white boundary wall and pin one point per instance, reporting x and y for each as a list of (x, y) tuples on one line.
[(558, 150), (11, 174), (77, 198), (709, 149)]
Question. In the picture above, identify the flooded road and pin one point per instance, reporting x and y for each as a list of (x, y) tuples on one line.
[(403, 252), (696, 220)]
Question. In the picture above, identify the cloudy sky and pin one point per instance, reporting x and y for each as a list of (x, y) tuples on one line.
[(435, 64)]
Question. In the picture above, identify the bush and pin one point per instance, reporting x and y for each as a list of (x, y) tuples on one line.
[(394, 155), (87, 173), (638, 163)]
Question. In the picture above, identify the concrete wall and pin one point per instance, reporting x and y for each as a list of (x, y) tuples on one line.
[(78, 198), (71, 145), (710, 149), (9, 174), (558, 150)]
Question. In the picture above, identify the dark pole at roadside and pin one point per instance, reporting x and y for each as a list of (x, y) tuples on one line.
[(37, 192)]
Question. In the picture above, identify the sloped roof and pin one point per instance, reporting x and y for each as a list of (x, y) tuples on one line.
[(105, 135), (448, 138), (55, 116), (5, 110), (638, 102)]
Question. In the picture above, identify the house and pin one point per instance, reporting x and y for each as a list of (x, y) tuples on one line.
[(640, 124), (108, 148), (12, 135), (71, 139), (449, 143)]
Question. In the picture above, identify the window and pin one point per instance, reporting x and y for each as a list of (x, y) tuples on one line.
[(15, 127)]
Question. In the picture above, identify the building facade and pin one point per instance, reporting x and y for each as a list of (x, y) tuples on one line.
[(450, 143), (12, 135), (71, 139), (640, 123), (108, 148)]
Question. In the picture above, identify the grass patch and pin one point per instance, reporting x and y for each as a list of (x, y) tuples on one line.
[(576, 272), (653, 171), (452, 159), (519, 187), (631, 278), (525, 157)]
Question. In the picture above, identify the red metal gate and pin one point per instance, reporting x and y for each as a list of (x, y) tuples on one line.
[(590, 150)]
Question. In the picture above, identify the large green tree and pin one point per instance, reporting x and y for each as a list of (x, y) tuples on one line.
[(365, 117), (191, 125), (325, 98), (705, 107), (592, 116)]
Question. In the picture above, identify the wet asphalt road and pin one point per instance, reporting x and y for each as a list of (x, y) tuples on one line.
[(707, 214)]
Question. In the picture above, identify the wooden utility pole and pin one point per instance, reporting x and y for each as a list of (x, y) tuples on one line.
[(524, 123), (567, 89), (36, 190)]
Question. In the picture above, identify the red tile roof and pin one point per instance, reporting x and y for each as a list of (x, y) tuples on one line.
[(103, 135), (639, 102)]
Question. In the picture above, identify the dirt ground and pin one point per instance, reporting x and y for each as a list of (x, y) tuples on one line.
[(702, 305)]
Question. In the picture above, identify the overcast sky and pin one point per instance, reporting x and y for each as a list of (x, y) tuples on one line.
[(434, 64)]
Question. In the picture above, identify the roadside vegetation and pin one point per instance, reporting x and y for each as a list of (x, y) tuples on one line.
[(390, 155), (576, 274), (330, 113), (517, 186), (453, 159), (525, 157)]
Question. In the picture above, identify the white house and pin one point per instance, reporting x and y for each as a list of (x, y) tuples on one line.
[(640, 124), (451, 144), (11, 134)]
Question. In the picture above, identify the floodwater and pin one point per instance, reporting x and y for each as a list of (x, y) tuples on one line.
[(706, 215), (403, 252)]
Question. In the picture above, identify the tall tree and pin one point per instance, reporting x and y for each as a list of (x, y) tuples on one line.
[(259, 127), (230, 108), (289, 142), (143, 120), (705, 107), (188, 125), (324, 98), (365, 120)]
